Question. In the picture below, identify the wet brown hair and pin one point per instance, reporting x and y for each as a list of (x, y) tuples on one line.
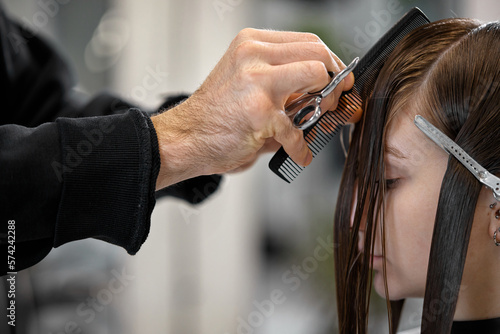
[(449, 71)]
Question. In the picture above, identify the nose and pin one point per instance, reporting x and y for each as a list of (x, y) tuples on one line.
[(354, 205), (362, 223)]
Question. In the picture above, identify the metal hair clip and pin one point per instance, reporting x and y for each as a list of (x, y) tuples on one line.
[(485, 177), (302, 107)]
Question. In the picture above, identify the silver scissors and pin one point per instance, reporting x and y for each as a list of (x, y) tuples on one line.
[(485, 177), (305, 116)]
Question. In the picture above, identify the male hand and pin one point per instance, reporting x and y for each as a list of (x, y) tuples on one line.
[(238, 112)]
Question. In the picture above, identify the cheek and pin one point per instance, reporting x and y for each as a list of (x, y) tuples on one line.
[(410, 214)]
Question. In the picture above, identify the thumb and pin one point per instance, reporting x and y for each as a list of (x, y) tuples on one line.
[(292, 139)]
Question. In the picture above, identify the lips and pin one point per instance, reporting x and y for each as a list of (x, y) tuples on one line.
[(377, 262), (377, 257)]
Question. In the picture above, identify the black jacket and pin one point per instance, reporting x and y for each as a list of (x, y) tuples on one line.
[(69, 169)]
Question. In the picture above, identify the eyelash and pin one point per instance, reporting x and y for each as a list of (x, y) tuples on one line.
[(391, 183)]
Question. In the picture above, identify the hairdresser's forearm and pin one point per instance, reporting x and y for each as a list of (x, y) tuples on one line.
[(179, 154)]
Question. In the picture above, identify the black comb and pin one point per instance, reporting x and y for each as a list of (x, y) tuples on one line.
[(365, 75)]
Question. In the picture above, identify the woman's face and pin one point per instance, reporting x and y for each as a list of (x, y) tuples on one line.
[(414, 171)]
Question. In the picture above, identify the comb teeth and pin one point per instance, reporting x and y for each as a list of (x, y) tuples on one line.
[(318, 136), (366, 72)]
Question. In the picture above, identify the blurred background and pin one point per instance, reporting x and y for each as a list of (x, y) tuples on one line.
[(255, 257)]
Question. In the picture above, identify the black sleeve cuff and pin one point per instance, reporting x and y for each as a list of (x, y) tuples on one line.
[(109, 169), (194, 190)]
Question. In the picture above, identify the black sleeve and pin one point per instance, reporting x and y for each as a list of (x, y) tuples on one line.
[(78, 178), (70, 169)]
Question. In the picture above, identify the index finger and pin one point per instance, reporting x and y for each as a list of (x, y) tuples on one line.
[(273, 36)]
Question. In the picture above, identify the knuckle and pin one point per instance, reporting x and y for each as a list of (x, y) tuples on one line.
[(323, 51), (246, 34), (281, 127), (251, 77), (312, 37), (315, 50), (316, 70), (246, 48)]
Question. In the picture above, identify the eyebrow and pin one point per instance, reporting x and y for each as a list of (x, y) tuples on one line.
[(395, 152)]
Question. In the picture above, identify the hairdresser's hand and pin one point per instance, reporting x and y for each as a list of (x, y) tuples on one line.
[(237, 113)]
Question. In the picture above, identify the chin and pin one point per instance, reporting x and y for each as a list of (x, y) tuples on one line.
[(398, 289)]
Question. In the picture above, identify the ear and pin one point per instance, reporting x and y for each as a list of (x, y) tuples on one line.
[(489, 208), (494, 220), (494, 228)]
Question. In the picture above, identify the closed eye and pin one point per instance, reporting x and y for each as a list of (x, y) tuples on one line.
[(391, 183)]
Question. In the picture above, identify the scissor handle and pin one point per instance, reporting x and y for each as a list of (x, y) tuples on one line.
[(339, 77), (304, 111)]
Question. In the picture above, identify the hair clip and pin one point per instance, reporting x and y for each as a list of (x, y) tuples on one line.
[(485, 177)]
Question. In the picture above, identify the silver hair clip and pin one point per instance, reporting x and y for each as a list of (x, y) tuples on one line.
[(485, 177)]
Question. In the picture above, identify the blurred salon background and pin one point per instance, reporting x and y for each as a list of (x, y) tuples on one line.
[(255, 257)]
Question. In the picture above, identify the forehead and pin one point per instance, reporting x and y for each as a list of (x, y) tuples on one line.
[(405, 141)]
